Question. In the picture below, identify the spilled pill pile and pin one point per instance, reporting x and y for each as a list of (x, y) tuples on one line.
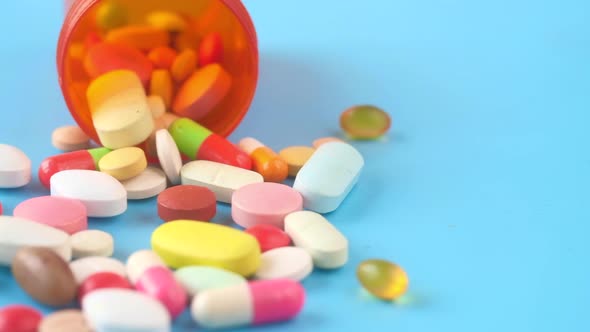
[(150, 90)]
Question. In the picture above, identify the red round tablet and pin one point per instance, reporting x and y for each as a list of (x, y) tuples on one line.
[(187, 202), (102, 280), (19, 318), (269, 236)]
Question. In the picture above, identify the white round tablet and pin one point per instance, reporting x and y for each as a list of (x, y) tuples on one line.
[(70, 138), (114, 309), (102, 194), (85, 267), (285, 263), (148, 183), (15, 167), (168, 155), (92, 242)]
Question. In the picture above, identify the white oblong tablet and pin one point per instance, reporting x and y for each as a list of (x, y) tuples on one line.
[(314, 233), (15, 167), (168, 155), (102, 194), (222, 179), (328, 176), (139, 262), (285, 263), (124, 310), (92, 242), (16, 233), (148, 183), (85, 267)]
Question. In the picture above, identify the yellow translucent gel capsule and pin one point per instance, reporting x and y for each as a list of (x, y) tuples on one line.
[(110, 15), (165, 20), (296, 157), (365, 122), (119, 108), (123, 164), (383, 279)]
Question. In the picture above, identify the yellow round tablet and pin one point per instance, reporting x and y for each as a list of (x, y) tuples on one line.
[(123, 164), (296, 157)]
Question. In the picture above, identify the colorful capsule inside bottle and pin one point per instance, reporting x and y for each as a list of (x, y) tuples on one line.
[(383, 279), (198, 142), (83, 159), (265, 161)]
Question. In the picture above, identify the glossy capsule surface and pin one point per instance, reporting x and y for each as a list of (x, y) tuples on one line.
[(265, 161), (365, 122), (383, 279), (83, 159)]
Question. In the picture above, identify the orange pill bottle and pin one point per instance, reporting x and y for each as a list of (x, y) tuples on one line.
[(229, 18)]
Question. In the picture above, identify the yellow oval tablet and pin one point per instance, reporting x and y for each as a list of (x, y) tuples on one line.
[(165, 20), (296, 157), (119, 108), (123, 164), (183, 243)]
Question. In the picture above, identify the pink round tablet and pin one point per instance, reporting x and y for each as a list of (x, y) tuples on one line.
[(265, 203), (68, 215)]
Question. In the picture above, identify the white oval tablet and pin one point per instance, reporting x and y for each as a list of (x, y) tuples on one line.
[(16, 233), (222, 179), (168, 155), (328, 176), (15, 167), (124, 310), (85, 267), (92, 242), (285, 263), (139, 262), (101, 193), (148, 183), (314, 233)]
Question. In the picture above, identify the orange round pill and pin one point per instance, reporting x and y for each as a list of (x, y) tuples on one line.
[(184, 65), (202, 91), (162, 57), (296, 157)]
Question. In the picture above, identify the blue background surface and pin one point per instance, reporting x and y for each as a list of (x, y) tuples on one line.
[(480, 191)]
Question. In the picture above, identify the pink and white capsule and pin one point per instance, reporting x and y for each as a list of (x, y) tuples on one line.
[(255, 303)]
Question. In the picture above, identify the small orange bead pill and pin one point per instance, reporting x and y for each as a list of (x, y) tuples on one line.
[(265, 161), (161, 85), (318, 142), (211, 49), (365, 122), (184, 65), (296, 157), (142, 37), (162, 57), (106, 57), (202, 91)]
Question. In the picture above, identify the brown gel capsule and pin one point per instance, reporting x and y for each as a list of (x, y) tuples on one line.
[(44, 275)]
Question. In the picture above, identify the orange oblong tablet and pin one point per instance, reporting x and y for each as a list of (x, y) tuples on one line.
[(161, 85), (184, 65), (162, 57), (106, 57), (202, 91), (142, 37)]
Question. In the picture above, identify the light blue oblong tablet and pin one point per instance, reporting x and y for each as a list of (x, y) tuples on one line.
[(328, 176), (195, 279)]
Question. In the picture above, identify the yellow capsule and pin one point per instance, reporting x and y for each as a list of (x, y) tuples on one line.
[(110, 15), (383, 279), (123, 164), (365, 122), (166, 20)]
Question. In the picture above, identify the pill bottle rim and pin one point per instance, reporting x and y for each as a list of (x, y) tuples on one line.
[(79, 7)]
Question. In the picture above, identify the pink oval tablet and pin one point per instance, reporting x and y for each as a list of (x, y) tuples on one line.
[(264, 203), (68, 215)]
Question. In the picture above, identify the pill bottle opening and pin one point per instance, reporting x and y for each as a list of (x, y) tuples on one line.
[(229, 18)]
